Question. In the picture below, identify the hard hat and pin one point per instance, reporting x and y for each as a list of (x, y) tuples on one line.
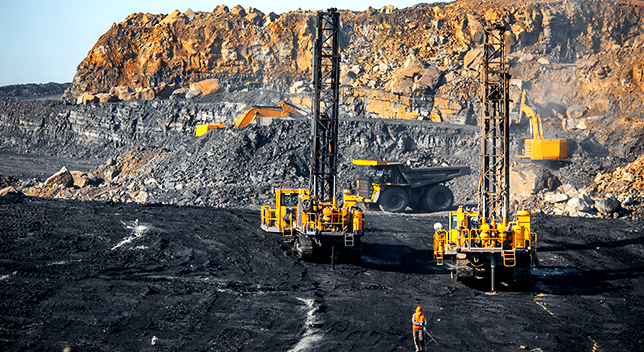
[(327, 212), (418, 309)]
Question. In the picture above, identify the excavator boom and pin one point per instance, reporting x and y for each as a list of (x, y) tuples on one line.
[(284, 110)]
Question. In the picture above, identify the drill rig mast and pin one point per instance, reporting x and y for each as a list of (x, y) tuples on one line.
[(485, 237), (495, 132), (324, 126), (312, 218)]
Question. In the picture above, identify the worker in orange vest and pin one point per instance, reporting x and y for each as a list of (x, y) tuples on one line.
[(418, 323)]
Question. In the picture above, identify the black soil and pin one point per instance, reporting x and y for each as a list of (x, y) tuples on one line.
[(110, 277)]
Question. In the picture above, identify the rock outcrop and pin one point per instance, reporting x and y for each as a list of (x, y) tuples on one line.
[(568, 53)]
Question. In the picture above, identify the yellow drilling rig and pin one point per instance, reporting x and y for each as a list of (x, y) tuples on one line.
[(313, 219), (486, 238)]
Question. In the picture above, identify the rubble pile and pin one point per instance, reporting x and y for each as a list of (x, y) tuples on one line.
[(232, 168), (105, 183), (617, 194)]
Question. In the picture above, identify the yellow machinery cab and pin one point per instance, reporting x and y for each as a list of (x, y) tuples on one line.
[(282, 218)]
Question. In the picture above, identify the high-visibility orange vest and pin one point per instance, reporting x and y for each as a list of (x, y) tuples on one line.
[(419, 317)]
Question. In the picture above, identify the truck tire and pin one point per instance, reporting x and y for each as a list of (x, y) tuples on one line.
[(393, 200), (438, 198)]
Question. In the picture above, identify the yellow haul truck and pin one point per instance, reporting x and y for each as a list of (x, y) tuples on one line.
[(391, 186)]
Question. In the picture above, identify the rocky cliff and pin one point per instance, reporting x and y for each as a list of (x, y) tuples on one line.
[(566, 52)]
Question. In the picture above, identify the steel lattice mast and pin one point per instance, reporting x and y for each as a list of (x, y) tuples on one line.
[(495, 168), (324, 123)]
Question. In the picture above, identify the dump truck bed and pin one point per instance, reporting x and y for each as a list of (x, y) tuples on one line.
[(431, 175)]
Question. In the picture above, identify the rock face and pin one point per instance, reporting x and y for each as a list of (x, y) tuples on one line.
[(419, 62), (33, 90)]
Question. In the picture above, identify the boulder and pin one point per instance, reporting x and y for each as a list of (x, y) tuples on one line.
[(173, 18), (80, 178), (389, 9), (543, 61), (164, 91), (141, 197), (298, 87), (9, 191), (607, 205), (123, 93), (430, 78), (145, 94), (62, 177), (578, 204), (193, 93), (189, 14), (107, 98), (347, 78), (89, 98), (270, 18), (527, 179), (576, 111), (208, 86), (556, 197), (254, 16), (179, 94), (221, 9), (626, 199), (238, 10), (111, 174), (474, 58), (404, 79)]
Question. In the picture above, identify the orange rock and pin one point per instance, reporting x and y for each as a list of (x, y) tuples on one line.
[(80, 178), (89, 98), (208, 86), (9, 191), (62, 177), (238, 10)]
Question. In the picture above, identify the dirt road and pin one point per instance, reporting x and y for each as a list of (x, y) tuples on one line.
[(102, 276)]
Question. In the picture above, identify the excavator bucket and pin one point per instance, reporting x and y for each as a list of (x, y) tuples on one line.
[(203, 129)]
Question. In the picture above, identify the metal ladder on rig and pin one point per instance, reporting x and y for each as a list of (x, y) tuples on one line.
[(509, 258), (348, 239)]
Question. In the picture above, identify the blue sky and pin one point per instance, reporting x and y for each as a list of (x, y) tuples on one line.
[(44, 40)]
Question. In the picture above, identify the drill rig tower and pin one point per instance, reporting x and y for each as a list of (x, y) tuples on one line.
[(324, 126), (312, 218), (485, 237)]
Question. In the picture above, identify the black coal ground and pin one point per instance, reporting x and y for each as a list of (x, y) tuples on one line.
[(108, 277)]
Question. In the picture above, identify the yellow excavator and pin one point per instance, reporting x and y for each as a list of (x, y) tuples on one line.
[(256, 112), (538, 148)]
